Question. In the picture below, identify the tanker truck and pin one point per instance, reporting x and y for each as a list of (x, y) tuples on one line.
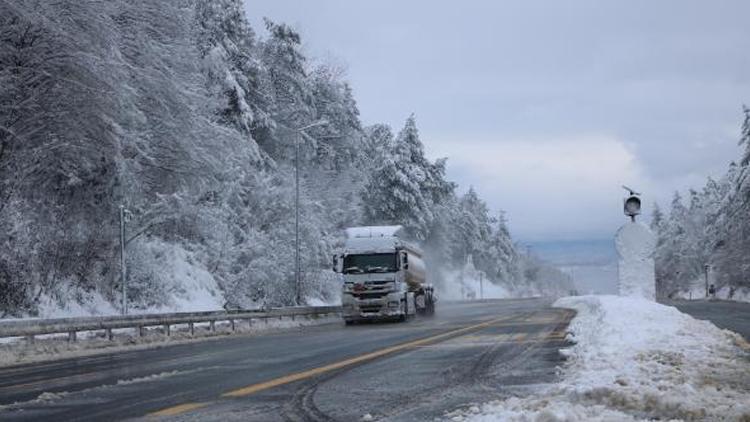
[(384, 276)]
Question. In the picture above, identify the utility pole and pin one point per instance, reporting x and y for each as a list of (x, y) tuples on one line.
[(481, 285), (123, 270)]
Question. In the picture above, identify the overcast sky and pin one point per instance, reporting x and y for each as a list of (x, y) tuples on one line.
[(546, 108)]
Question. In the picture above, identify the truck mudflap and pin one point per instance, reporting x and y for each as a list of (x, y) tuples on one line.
[(425, 301)]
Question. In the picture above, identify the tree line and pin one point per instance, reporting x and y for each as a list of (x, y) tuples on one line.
[(183, 114), (707, 230)]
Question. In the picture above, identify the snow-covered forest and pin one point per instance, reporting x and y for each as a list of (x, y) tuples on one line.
[(710, 226), (184, 114)]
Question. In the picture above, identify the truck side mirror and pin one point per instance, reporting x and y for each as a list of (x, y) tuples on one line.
[(404, 260), (338, 261)]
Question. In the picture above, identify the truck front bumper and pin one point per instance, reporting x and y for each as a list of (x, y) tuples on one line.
[(386, 307)]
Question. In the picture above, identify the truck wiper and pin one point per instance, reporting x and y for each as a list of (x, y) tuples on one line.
[(353, 269), (377, 269)]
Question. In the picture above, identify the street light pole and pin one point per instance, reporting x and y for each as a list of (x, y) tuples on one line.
[(481, 286), (297, 281), (123, 271), (706, 267), (298, 271)]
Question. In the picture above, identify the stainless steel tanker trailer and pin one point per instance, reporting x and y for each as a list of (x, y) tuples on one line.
[(384, 276)]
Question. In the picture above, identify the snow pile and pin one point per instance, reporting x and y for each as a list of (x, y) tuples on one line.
[(635, 246), (636, 360)]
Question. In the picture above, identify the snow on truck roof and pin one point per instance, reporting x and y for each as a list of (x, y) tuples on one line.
[(377, 239), (374, 231)]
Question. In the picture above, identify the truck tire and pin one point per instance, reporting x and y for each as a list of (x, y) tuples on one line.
[(405, 315), (429, 305)]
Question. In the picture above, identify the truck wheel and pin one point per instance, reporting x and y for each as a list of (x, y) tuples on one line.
[(348, 322), (402, 317), (430, 306)]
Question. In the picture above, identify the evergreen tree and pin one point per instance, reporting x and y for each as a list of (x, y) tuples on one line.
[(227, 45), (395, 193), (745, 136)]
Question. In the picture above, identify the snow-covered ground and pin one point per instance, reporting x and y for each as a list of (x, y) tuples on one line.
[(634, 359)]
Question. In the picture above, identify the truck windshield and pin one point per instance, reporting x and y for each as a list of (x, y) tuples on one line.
[(370, 263)]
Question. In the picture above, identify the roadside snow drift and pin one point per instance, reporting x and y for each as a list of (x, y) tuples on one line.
[(636, 360)]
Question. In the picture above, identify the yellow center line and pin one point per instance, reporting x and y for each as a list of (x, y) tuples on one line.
[(180, 408), (251, 389)]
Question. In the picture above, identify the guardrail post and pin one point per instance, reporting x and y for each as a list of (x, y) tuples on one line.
[(231, 321), (71, 336), (192, 328), (212, 326), (166, 329), (109, 334), (141, 331)]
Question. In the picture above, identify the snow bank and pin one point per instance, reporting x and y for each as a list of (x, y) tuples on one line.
[(636, 360)]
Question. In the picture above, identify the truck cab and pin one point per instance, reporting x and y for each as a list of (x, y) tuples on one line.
[(383, 276)]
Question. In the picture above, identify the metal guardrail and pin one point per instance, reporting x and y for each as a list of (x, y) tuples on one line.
[(71, 326)]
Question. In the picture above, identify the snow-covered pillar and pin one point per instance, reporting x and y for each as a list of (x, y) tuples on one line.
[(635, 245)]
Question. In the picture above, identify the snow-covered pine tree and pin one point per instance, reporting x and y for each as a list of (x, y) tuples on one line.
[(226, 43), (284, 78), (395, 193)]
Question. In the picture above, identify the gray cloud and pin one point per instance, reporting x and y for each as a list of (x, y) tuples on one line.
[(660, 83)]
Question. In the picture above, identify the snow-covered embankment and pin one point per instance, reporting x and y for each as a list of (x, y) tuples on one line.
[(634, 359)]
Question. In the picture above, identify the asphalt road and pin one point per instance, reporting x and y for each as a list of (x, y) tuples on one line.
[(734, 316), (466, 353)]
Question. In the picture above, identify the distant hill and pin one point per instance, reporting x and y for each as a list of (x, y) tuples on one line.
[(591, 262)]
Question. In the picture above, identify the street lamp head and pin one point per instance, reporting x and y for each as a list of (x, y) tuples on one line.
[(632, 204)]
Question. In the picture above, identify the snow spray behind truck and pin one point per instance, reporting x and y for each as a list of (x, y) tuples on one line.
[(384, 276)]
